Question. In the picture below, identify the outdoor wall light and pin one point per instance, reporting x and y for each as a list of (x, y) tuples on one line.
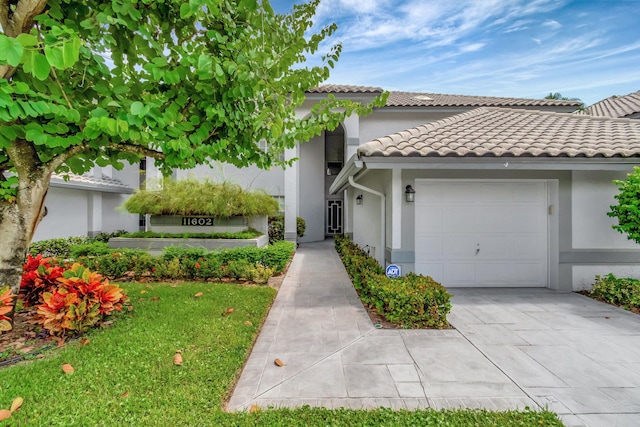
[(359, 199), (409, 194)]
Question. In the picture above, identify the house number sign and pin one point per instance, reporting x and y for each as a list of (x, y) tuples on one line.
[(196, 221)]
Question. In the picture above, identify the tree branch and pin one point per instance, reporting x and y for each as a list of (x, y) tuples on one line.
[(21, 20), (137, 149)]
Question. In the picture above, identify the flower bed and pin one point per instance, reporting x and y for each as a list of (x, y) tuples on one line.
[(412, 301)]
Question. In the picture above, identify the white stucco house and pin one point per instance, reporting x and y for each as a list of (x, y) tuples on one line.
[(508, 191)]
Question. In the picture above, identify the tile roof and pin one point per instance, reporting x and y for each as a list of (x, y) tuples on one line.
[(345, 89), (89, 182), (504, 132), (615, 106), (421, 99), (413, 99)]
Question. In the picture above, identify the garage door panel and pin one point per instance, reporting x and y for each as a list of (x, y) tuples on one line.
[(463, 273), (458, 220), (432, 269), (431, 246), (455, 193), (460, 246), (506, 221), (430, 220)]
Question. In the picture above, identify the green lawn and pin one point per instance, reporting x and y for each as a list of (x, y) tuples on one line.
[(126, 375)]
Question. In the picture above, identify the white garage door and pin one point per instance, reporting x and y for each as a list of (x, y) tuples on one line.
[(482, 233)]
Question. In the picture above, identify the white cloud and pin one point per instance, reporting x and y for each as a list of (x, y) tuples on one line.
[(471, 47), (552, 23)]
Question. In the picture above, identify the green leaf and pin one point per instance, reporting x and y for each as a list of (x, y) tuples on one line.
[(185, 10), (136, 108), (27, 40), (55, 56), (71, 51), (10, 50), (41, 67)]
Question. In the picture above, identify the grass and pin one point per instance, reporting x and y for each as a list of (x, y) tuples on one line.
[(126, 375)]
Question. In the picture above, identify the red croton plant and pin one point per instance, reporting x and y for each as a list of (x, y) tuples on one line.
[(5, 308), (68, 300)]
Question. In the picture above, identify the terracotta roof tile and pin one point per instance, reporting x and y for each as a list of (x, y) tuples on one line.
[(615, 106), (412, 99), (345, 89), (504, 132)]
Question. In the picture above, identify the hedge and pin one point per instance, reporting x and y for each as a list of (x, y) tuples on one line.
[(412, 301)]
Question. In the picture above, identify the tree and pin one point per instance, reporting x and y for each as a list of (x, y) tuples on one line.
[(628, 208), (558, 96), (98, 82)]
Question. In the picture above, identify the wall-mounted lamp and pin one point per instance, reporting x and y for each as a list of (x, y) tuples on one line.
[(359, 199), (409, 194)]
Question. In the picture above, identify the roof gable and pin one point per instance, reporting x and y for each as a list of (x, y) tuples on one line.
[(615, 106), (503, 132)]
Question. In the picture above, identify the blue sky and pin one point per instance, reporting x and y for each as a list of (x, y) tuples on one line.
[(521, 48)]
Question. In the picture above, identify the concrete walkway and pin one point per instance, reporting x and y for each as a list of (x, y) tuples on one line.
[(510, 349)]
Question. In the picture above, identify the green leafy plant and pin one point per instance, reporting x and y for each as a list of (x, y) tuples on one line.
[(57, 248), (412, 301), (276, 228), (194, 197), (627, 211), (249, 234), (624, 292)]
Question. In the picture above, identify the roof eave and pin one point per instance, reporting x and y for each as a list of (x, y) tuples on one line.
[(501, 163)]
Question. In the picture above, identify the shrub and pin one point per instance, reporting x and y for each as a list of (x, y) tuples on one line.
[(276, 228), (412, 301), (94, 248), (58, 248), (249, 234), (194, 197), (6, 305), (624, 292), (79, 301), (39, 275), (627, 211)]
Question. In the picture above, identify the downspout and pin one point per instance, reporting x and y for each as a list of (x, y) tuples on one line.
[(383, 222)]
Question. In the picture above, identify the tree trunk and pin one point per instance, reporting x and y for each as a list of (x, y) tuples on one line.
[(18, 222)]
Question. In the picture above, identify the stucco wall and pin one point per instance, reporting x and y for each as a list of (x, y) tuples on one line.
[(311, 188), (366, 217), (271, 181), (385, 122), (593, 193), (113, 217), (66, 214)]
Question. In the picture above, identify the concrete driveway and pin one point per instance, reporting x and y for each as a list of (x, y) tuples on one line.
[(511, 348)]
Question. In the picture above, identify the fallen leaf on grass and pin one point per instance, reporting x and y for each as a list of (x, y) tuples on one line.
[(177, 358), (144, 291), (228, 311), (67, 369), (254, 408), (125, 394), (16, 404), (60, 341), (173, 286), (247, 323), (155, 298), (278, 362), (5, 414), (85, 341), (198, 295), (148, 286)]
